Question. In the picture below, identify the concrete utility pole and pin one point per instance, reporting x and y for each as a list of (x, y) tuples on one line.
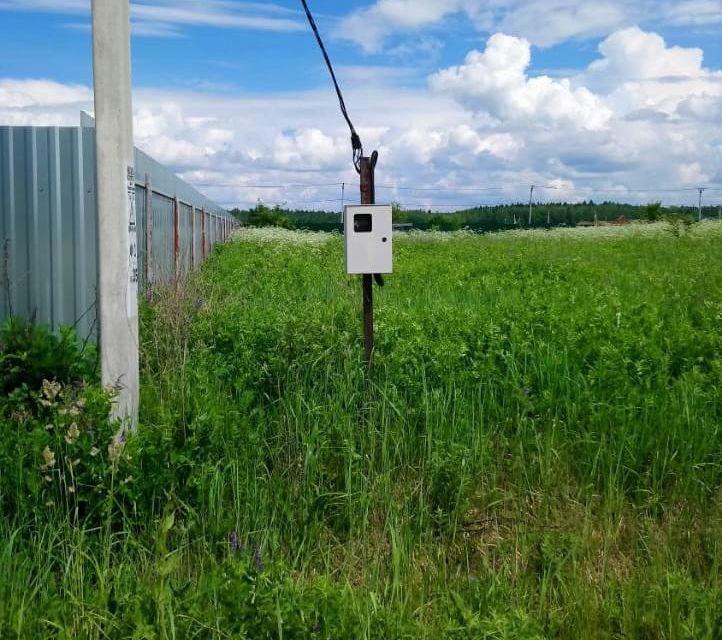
[(531, 202), (117, 225), (701, 191), (343, 199)]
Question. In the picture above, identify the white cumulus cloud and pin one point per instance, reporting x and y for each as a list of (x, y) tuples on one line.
[(18, 94), (641, 119), (542, 22), (495, 81)]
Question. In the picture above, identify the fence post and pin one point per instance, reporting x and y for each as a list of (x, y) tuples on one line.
[(176, 238), (203, 234), (193, 236), (148, 235)]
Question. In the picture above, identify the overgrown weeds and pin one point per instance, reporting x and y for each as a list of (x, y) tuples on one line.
[(535, 452)]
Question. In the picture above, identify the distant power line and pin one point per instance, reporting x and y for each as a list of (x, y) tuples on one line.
[(230, 185), (462, 189), (445, 193), (439, 189)]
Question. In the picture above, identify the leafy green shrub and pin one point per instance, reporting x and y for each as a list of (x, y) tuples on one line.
[(59, 449), (678, 223), (30, 354), (653, 211), (263, 216)]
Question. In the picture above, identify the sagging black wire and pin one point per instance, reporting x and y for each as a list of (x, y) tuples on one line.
[(355, 138)]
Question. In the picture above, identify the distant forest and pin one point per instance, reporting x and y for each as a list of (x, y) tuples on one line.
[(482, 218)]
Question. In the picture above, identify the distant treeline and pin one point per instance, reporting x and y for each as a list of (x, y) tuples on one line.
[(482, 218)]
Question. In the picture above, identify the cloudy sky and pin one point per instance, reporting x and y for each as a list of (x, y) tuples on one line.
[(467, 101)]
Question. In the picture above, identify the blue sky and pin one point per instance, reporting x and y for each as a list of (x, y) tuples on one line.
[(58, 46), (455, 92)]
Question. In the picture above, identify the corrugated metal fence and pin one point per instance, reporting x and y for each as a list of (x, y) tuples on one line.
[(48, 220)]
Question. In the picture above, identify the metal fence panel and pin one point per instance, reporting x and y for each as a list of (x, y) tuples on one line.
[(197, 237), (140, 196), (184, 219), (163, 268), (48, 225)]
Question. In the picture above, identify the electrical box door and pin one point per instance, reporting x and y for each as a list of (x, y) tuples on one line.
[(368, 231)]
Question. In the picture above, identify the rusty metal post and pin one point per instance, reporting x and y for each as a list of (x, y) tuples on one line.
[(203, 235), (148, 236), (193, 237), (176, 238), (368, 196)]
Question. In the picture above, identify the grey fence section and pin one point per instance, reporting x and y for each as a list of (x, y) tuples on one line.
[(48, 225)]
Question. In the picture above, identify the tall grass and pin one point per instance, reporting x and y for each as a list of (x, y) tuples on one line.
[(536, 451)]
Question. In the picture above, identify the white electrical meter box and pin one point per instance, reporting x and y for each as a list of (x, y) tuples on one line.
[(369, 234)]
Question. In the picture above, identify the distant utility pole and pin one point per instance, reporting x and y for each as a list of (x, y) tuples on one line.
[(117, 225), (701, 191), (343, 199), (531, 202)]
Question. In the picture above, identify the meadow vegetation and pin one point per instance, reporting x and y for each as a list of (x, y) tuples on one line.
[(536, 452)]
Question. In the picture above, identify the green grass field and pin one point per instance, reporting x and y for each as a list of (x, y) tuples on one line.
[(535, 453)]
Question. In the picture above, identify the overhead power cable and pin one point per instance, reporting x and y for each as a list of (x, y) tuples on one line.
[(438, 189), (355, 138), (230, 185)]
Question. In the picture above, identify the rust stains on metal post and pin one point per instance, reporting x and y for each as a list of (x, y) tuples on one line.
[(193, 237), (148, 237), (203, 235), (176, 238), (368, 196)]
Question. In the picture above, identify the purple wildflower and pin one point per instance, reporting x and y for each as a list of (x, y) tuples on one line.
[(317, 628), (526, 391), (233, 538), (257, 558)]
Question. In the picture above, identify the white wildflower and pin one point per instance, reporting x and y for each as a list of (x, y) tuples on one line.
[(73, 434), (49, 458), (115, 448), (51, 390)]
